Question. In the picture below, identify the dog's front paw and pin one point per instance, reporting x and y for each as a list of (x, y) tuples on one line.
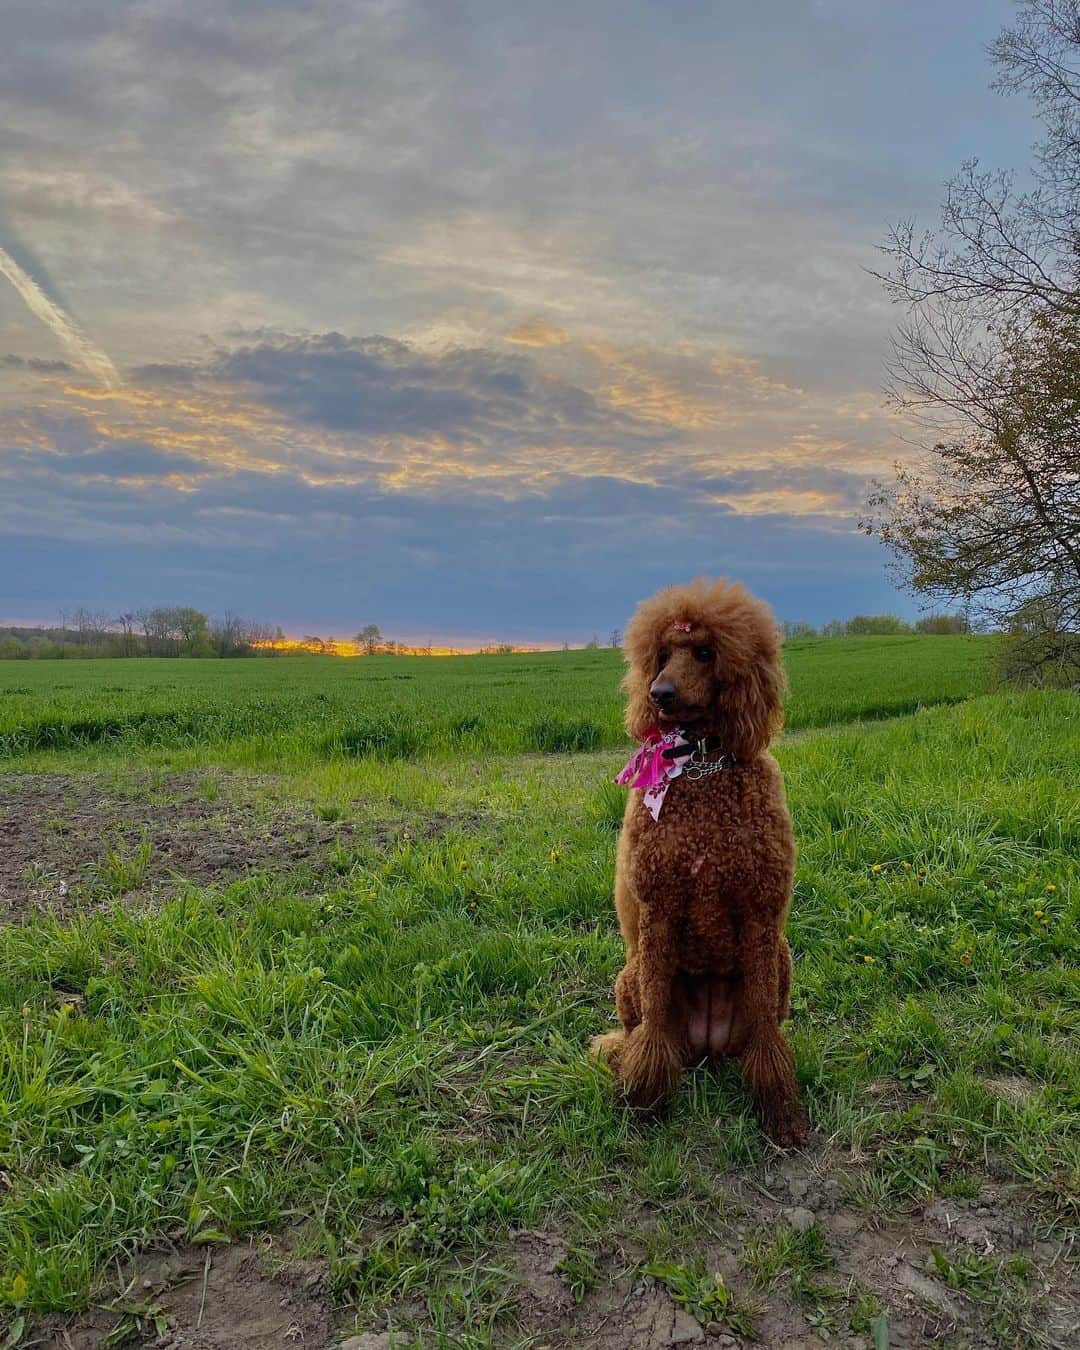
[(607, 1048), (649, 1066)]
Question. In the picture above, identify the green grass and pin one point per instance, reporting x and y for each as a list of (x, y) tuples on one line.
[(271, 711), (390, 1050), (705, 1295)]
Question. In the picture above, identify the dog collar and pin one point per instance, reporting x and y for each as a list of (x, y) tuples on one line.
[(661, 758), (706, 745)]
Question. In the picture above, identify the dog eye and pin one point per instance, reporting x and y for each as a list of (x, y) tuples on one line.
[(702, 653)]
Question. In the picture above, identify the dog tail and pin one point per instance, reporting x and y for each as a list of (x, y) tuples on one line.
[(649, 1066)]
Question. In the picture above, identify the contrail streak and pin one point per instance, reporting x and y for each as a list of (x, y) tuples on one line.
[(91, 357)]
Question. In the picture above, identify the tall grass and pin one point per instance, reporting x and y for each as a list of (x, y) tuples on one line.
[(298, 708)]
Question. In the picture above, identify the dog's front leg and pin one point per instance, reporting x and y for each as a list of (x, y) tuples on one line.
[(650, 1059), (766, 1061)]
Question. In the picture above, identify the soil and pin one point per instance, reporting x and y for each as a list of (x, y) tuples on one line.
[(254, 1295), (56, 831), (206, 1298), (889, 1256)]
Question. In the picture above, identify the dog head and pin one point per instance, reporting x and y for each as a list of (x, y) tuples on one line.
[(705, 657)]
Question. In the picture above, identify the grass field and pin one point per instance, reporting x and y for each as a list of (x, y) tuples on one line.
[(270, 710), (373, 1052)]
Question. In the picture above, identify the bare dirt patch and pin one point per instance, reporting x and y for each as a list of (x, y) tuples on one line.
[(67, 842), (918, 1269), (207, 1298), (254, 1295)]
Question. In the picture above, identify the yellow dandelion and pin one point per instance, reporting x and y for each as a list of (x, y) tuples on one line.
[(463, 864), (876, 867), (554, 855), (869, 960), (1050, 888), (906, 866), (1045, 923), (852, 937), (1039, 913)]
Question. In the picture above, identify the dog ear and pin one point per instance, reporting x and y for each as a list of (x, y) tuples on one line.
[(640, 715), (753, 703), (640, 648)]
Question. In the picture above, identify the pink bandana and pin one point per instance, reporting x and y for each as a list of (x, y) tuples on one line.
[(647, 768)]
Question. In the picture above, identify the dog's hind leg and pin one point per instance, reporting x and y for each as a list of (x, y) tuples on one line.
[(783, 1002)]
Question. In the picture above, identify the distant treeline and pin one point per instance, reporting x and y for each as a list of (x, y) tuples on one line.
[(878, 625), (179, 630), (165, 630)]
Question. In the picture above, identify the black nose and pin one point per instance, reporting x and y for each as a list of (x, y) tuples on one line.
[(662, 691)]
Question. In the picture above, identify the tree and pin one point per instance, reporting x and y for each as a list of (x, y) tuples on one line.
[(875, 625), (992, 514), (192, 629), (943, 623), (795, 628), (157, 626), (369, 638), (616, 638), (228, 635), (126, 623), (987, 359), (1000, 250), (91, 626)]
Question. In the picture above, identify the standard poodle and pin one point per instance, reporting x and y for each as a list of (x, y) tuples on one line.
[(706, 855)]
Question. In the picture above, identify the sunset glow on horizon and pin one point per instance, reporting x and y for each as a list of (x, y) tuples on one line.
[(349, 648)]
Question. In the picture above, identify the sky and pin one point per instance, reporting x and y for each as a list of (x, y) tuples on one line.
[(473, 319)]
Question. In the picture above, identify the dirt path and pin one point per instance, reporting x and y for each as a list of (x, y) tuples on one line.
[(68, 842)]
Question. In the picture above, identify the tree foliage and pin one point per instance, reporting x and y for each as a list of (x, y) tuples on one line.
[(992, 514), (987, 359)]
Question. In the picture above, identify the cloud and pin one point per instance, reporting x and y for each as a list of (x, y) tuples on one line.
[(536, 333), (452, 565), (37, 364), (349, 402), (380, 386), (61, 324), (125, 464), (343, 412)]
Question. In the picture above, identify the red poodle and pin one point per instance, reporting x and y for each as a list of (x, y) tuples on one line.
[(706, 855)]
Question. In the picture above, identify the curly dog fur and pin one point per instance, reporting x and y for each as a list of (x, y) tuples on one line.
[(702, 893)]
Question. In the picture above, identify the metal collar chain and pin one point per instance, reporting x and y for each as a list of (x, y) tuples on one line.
[(695, 768)]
